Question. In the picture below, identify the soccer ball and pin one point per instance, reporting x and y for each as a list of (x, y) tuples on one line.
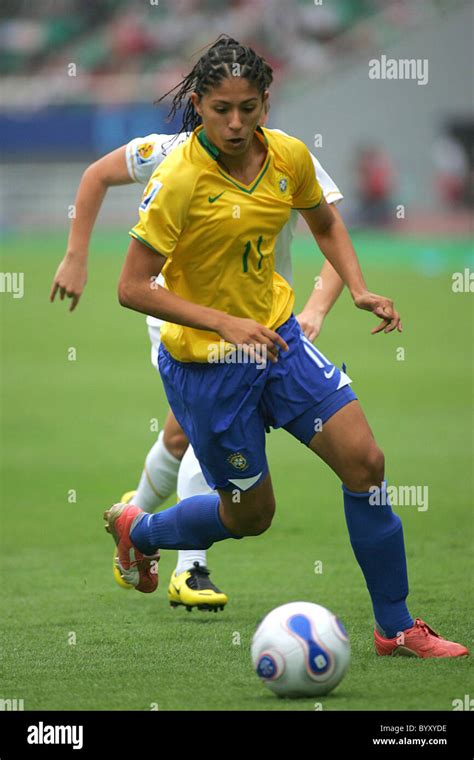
[(300, 650)]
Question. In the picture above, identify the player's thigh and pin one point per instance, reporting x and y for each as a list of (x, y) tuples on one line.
[(174, 436), (248, 513), (347, 444)]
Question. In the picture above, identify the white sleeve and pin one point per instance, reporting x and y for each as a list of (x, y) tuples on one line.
[(144, 154), (328, 186), (330, 190)]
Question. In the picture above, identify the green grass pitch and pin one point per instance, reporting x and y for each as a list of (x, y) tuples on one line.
[(73, 640)]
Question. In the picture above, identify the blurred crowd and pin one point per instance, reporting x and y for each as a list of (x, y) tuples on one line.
[(377, 181), (126, 51), (139, 36)]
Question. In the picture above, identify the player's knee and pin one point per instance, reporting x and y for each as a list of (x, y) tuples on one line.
[(176, 442), (374, 466), (259, 522), (259, 525), (366, 469)]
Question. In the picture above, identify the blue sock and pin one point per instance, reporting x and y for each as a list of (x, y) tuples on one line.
[(376, 535), (193, 523)]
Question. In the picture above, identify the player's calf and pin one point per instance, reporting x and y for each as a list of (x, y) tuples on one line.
[(248, 513)]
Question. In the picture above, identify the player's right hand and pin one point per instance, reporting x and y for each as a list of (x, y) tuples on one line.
[(70, 279), (252, 335)]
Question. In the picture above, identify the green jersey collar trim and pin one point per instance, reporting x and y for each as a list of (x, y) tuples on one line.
[(207, 145), (211, 148), (244, 189)]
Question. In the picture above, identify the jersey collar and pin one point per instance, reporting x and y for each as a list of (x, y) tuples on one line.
[(213, 151)]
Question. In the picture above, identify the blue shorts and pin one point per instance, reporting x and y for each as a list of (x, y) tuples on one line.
[(225, 408)]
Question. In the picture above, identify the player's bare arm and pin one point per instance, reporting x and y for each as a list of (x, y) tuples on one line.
[(71, 276), (333, 239), (139, 291), (324, 295)]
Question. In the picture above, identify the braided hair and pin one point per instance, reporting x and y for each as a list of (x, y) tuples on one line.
[(224, 59)]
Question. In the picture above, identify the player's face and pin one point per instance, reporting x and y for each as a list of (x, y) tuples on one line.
[(230, 113)]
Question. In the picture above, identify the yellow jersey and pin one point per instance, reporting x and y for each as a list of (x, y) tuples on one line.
[(218, 234)]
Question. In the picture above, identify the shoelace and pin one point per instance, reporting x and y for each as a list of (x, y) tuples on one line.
[(421, 625), (199, 578)]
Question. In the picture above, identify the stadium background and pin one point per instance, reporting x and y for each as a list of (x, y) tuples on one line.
[(79, 79)]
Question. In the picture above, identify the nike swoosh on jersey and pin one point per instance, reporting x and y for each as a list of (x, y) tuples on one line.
[(329, 374), (211, 200)]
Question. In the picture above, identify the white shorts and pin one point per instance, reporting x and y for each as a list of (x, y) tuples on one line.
[(191, 481), (154, 331)]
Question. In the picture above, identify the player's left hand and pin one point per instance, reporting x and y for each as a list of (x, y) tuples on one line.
[(382, 307), (310, 324)]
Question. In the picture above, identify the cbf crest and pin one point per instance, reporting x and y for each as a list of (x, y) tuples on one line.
[(238, 461)]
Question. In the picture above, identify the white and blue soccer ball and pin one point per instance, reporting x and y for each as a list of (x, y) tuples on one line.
[(300, 650)]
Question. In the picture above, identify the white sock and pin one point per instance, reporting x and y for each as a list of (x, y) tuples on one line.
[(191, 482), (187, 558), (159, 477)]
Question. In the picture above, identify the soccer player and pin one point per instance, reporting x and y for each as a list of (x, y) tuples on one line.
[(190, 583), (209, 222)]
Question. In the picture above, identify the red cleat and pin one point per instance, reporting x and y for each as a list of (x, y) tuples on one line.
[(135, 568), (418, 641)]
